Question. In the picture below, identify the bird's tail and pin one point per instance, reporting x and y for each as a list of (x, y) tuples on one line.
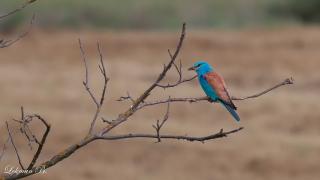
[(232, 111)]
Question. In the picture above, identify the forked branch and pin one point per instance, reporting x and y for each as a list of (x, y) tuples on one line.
[(86, 84), (159, 126)]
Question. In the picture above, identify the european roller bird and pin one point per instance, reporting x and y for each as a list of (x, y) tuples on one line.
[(214, 86)]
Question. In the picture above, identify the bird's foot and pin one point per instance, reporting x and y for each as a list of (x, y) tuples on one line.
[(211, 100)]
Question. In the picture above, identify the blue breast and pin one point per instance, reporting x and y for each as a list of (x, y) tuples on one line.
[(207, 87)]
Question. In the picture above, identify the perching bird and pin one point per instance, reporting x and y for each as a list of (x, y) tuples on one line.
[(214, 86)]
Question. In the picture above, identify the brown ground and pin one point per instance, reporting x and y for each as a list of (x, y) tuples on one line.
[(44, 72)]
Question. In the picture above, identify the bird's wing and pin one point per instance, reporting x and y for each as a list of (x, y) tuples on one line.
[(219, 87)]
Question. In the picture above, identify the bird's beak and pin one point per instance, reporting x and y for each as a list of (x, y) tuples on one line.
[(192, 68)]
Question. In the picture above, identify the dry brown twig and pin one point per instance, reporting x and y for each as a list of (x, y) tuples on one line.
[(136, 105), (126, 97), (18, 9), (8, 42), (159, 126), (15, 148)]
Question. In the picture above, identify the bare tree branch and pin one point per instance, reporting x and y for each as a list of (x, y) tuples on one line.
[(6, 43), (158, 127), (86, 84), (220, 134), (286, 81)]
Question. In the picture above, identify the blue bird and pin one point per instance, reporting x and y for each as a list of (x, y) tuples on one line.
[(214, 86)]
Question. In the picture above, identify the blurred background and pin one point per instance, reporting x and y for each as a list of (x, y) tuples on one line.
[(253, 44), (165, 14)]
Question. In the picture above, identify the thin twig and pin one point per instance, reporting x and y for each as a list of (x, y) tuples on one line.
[(286, 81), (103, 71), (6, 144), (7, 43), (104, 120), (125, 97), (33, 136), (18, 9), (25, 133), (15, 148), (170, 53), (86, 83), (220, 134), (158, 127), (22, 113), (41, 144), (121, 98), (21, 122)]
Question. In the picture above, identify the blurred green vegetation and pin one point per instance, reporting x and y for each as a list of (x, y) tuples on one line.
[(306, 11), (149, 14)]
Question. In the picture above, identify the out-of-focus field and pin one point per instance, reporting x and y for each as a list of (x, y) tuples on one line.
[(44, 72)]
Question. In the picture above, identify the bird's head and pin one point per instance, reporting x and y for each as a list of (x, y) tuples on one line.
[(201, 67)]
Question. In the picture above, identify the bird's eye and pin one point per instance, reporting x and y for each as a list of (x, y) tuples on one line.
[(198, 65)]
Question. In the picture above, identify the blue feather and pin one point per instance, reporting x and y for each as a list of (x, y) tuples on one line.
[(232, 111)]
